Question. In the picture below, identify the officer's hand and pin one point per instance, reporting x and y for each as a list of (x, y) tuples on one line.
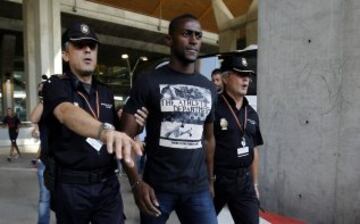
[(140, 144), (120, 144), (257, 191), (141, 116), (145, 199)]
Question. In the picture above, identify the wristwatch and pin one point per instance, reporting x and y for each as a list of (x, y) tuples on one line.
[(105, 127)]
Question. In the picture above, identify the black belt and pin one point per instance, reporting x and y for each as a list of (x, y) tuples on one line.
[(84, 177), (231, 172)]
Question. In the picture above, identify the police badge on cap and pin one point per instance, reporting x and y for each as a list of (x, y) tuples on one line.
[(244, 62), (84, 28)]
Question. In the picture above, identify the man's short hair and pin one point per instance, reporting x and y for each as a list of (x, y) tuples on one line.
[(215, 72), (174, 23)]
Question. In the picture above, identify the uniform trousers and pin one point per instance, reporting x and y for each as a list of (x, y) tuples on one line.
[(97, 203), (235, 189)]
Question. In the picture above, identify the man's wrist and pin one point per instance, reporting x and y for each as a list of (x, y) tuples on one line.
[(136, 184), (104, 127)]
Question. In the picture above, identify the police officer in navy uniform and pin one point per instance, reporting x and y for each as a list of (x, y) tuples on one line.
[(81, 120), (238, 137)]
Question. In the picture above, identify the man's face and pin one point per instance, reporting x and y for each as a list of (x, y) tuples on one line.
[(9, 112), (217, 80), (81, 56), (237, 83), (185, 42)]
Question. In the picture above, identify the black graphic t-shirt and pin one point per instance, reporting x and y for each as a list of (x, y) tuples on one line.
[(179, 105)]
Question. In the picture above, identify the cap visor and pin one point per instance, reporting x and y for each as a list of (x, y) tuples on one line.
[(83, 38), (251, 72)]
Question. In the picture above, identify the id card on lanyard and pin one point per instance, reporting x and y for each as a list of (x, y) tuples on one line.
[(95, 143)]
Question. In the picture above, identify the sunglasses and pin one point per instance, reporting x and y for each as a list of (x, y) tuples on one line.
[(190, 33), (82, 44)]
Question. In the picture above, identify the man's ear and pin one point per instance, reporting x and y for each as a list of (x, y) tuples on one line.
[(65, 56), (168, 40), (224, 79)]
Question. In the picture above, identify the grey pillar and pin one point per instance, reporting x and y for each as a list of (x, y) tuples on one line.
[(8, 45), (42, 43), (308, 100)]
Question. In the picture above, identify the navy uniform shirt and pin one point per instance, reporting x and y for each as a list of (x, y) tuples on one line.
[(229, 153), (70, 150)]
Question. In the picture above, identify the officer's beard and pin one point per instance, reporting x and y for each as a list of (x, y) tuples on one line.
[(87, 73)]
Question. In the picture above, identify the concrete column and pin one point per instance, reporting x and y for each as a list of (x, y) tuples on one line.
[(8, 45), (42, 43), (227, 38), (308, 100), (252, 24), (229, 26)]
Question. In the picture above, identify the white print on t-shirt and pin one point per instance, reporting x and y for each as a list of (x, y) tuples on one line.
[(184, 108)]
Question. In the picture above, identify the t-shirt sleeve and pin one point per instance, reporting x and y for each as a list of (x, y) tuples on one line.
[(258, 140), (56, 91), (211, 116), (138, 95)]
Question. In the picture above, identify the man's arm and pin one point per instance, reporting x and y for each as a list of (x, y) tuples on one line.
[(36, 113), (210, 151), (82, 123), (254, 170), (144, 194)]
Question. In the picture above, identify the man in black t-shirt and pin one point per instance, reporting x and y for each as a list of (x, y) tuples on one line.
[(13, 124), (238, 136), (181, 112)]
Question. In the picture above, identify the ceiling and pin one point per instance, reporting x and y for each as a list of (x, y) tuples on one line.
[(168, 9)]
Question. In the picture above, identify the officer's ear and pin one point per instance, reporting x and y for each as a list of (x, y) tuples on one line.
[(168, 40), (224, 77), (65, 53)]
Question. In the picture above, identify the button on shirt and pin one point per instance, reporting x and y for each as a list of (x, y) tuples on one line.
[(71, 150), (229, 153)]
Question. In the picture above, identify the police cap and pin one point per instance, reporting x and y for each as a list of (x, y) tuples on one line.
[(78, 31), (237, 64)]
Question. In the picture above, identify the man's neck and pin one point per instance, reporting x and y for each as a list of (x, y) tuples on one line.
[(239, 99), (83, 78), (187, 68)]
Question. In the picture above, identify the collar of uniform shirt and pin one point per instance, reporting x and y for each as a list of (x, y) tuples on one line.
[(232, 101), (78, 85)]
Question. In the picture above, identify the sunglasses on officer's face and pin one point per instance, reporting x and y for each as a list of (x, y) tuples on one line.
[(83, 43), (243, 75), (190, 33)]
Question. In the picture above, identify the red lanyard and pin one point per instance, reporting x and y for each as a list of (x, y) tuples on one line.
[(97, 114), (236, 118)]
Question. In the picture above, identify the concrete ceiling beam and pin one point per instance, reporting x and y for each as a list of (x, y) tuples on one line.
[(124, 17)]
